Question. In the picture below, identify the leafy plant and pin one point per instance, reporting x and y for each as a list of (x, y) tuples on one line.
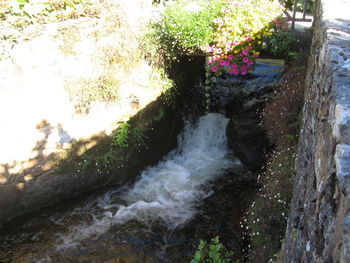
[(122, 136), (213, 252), (159, 80), (229, 32), (310, 6), (138, 135), (281, 41), (185, 27)]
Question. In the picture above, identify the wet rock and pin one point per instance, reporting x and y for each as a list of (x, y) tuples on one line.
[(242, 99), (247, 138), (231, 92)]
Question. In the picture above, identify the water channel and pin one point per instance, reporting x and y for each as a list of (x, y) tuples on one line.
[(190, 194)]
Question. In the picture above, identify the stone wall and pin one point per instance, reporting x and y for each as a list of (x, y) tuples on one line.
[(319, 225)]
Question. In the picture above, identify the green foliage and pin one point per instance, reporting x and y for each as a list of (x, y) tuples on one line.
[(185, 26), (126, 136), (213, 252), (310, 6), (159, 116), (21, 13), (120, 140), (137, 134), (151, 47), (159, 80), (231, 33), (122, 136), (294, 56), (282, 41), (86, 163)]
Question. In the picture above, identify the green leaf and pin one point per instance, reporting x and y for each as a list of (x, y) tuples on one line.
[(70, 3)]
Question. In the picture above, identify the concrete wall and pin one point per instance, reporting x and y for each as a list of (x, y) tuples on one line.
[(319, 225)]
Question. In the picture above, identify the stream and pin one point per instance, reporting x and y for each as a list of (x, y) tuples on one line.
[(193, 193)]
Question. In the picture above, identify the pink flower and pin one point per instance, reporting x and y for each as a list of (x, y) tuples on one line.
[(211, 61), (234, 66), (210, 49), (245, 59), (235, 71), (244, 67), (243, 71), (250, 47), (222, 62), (250, 63), (249, 39), (214, 69), (245, 52), (255, 55), (226, 63), (230, 57), (218, 51)]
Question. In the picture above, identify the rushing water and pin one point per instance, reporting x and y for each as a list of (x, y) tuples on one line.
[(140, 218)]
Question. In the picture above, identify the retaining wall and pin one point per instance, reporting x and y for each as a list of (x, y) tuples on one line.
[(319, 224)]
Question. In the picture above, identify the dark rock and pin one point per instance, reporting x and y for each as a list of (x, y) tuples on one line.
[(246, 137), (242, 99), (231, 92)]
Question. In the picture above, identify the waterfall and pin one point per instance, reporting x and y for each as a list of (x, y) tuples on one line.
[(171, 191)]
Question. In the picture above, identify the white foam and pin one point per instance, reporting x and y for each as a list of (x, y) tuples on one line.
[(171, 191)]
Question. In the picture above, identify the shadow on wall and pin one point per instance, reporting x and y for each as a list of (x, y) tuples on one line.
[(46, 152), (100, 160)]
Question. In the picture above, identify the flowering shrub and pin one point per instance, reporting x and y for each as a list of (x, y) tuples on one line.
[(230, 32), (240, 30), (281, 41)]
